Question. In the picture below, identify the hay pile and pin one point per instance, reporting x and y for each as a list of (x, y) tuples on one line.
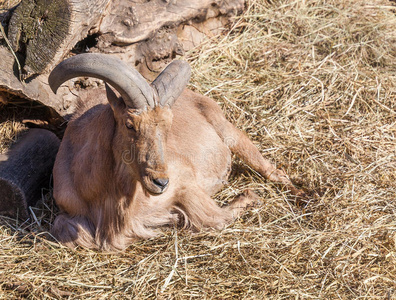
[(313, 84)]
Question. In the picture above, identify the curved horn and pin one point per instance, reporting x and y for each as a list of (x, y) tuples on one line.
[(134, 89), (172, 81)]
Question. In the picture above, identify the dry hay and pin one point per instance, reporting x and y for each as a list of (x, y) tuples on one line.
[(313, 84), (10, 125)]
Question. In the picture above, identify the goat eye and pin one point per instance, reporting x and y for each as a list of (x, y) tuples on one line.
[(130, 126)]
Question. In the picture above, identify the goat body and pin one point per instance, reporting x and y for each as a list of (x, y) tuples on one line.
[(104, 171)]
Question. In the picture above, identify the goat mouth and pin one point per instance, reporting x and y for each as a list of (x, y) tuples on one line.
[(155, 186)]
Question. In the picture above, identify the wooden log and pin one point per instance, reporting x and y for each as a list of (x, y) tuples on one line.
[(150, 31), (36, 89), (131, 21), (24, 170), (44, 31)]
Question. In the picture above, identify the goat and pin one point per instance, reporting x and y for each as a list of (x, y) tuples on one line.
[(144, 160)]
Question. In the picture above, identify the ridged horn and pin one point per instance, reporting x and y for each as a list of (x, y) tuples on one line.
[(171, 82), (133, 88)]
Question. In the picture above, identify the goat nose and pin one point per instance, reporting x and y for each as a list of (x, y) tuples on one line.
[(161, 182)]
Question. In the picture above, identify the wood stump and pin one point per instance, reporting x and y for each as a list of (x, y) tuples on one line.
[(24, 170)]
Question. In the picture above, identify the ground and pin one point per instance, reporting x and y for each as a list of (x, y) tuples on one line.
[(313, 85)]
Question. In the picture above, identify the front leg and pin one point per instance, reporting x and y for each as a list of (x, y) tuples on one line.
[(248, 199), (201, 211), (74, 231)]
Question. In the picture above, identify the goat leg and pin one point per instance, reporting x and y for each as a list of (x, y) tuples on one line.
[(74, 231), (241, 145), (201, 211), (248, 199)]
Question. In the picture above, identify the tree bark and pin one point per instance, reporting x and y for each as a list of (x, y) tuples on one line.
[(24, 170), (36, 89), (44, 31), (129, 22), (148, 33)]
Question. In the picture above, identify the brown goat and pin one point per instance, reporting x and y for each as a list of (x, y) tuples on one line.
[(144, 160)]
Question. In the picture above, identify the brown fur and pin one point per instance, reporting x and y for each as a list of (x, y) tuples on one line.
[(104, 171)]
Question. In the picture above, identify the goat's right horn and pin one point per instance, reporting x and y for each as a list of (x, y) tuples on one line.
[(172, 81), (133, 88)]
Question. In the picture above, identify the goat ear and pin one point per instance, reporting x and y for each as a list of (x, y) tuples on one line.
[(116, 103)]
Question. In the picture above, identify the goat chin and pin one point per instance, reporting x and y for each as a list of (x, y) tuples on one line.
[(104, 207)]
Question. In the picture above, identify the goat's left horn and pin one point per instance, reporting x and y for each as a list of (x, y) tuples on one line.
[(171, 82), (134, 89)]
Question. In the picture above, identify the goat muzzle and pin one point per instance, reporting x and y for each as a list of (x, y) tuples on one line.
[(155, 184), (162, 183)]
